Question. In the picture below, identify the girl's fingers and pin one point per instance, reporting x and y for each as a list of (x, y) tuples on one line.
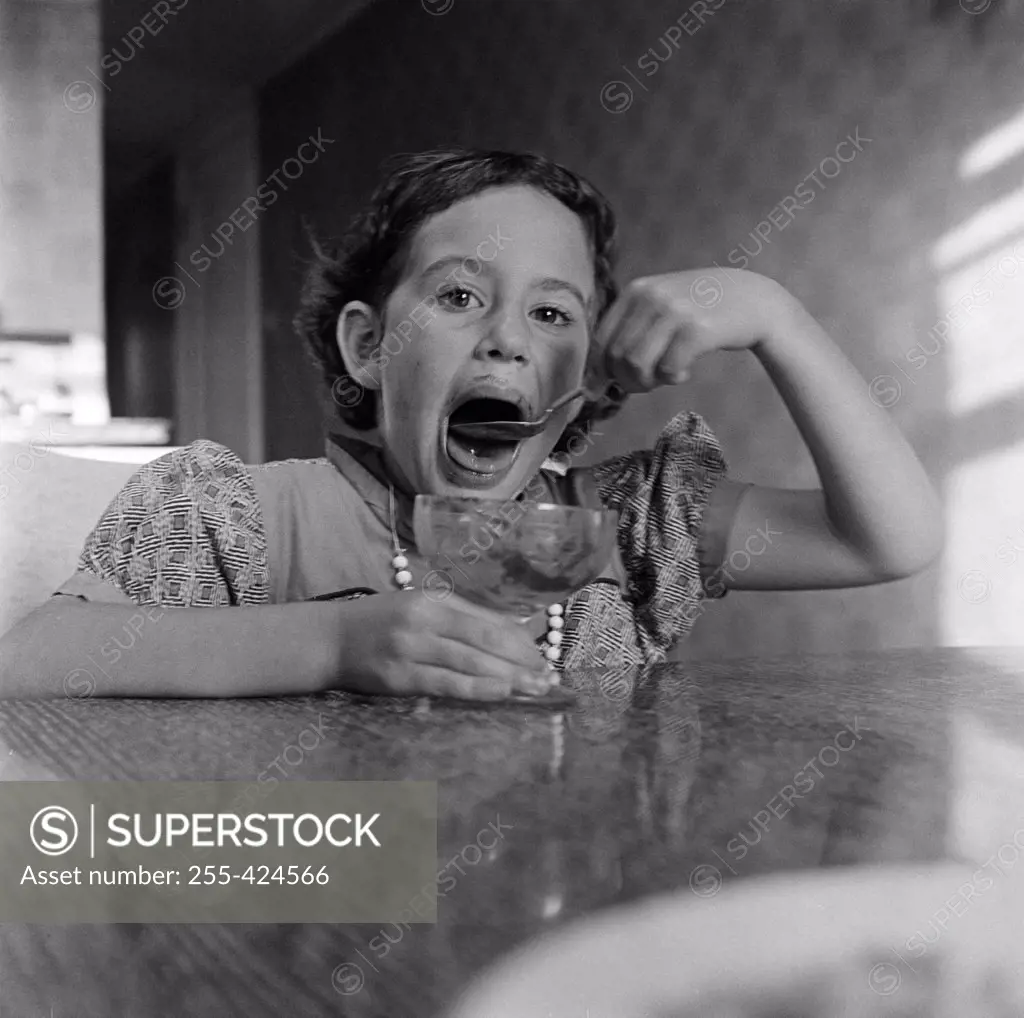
[(609, 326), (650, 351), (474, 669), (677, 357), (497, 636), (442, 682), (617, 323), (631, 350), (633, 325), (469, 659)]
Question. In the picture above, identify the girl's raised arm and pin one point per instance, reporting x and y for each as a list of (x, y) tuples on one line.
[(876, 517)]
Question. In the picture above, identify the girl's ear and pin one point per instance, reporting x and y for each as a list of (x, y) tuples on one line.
[(358, 336)]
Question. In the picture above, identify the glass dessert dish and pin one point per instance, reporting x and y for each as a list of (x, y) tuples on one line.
[(511, 556)]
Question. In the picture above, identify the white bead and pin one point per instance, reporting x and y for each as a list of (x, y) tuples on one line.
[(555, 609), (403, 577), (554, 637), (552, 653), (399, 562), (555, 622)]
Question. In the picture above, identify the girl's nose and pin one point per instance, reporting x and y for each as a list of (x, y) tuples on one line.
[(505, 340)]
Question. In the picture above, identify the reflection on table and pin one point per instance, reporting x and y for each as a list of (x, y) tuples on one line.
[(685, 776)]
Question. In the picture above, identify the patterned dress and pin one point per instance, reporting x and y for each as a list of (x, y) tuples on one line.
[(197, 527)]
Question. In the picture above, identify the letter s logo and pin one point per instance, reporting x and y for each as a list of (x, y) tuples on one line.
[(54, 821)]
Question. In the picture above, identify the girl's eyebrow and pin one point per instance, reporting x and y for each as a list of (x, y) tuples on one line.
[(552, 283), (443, 263)]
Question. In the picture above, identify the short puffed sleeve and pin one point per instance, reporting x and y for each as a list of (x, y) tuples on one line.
[(675, 510), (186, 530)]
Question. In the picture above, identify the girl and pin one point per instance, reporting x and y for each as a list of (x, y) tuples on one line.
[(472, 276)]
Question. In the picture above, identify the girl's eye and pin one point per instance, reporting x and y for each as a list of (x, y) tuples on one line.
[(550, 315), (458, 298)]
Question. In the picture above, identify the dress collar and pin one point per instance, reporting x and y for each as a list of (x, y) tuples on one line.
[(360, 461)]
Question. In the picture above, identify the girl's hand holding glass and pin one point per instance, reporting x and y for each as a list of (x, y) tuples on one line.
[(406, 644)]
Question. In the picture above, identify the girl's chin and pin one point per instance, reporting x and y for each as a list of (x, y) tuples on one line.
[(508, 487), (451, 480)]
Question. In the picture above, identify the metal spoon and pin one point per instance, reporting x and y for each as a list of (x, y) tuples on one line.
[(514, 431)]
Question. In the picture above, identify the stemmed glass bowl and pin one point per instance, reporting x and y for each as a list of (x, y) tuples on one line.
[(514, 556)]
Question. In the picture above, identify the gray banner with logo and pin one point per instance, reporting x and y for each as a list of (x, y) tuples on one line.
[(204, 851)]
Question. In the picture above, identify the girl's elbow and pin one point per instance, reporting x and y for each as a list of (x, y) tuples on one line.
[(906, 566), (914, 553)]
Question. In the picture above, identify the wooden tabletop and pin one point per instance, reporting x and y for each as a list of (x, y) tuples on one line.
[(696, 774)]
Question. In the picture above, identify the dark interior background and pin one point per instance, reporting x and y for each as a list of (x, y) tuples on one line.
[(738, 112)]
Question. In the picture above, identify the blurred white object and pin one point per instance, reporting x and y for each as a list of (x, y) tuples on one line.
[(62, 431), (86, 376), (115, 453), (819, 942)]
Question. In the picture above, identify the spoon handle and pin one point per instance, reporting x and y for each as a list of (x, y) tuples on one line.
[(568, 398)]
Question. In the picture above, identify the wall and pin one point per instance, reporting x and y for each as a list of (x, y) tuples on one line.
[(51, 250), (140, 333), (214, 292), (737, 112)]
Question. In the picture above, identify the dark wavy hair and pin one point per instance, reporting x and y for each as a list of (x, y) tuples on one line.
[(367, 263)]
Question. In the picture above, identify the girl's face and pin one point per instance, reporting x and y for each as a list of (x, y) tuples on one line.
[(494, 304)]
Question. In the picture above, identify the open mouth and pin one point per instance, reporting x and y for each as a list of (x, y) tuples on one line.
[(481, 461)]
